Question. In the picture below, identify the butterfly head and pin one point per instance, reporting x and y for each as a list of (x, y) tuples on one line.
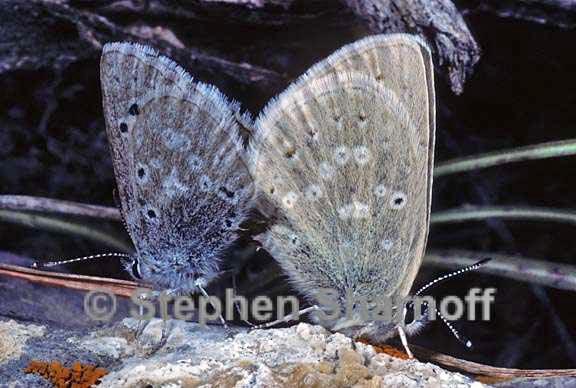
[(133, 267), (375, 331), (361, 320), (172, 270)]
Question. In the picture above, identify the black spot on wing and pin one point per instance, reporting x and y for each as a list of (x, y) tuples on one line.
[(228, 193), (134, 111)]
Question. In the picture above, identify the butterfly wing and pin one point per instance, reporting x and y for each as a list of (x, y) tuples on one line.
[(178, 160), (346, 156)]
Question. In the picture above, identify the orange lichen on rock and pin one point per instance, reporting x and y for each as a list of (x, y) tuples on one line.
[(77, 376), (386, 349)]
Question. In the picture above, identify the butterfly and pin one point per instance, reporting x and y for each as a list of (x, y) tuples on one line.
[(179, 162), (342, 162)]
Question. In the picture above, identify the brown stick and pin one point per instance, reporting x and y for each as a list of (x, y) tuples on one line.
[(547, 273), (77, 282), (485, 370), (49, 205)]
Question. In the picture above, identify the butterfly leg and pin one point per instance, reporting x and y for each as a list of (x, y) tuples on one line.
[(287, 318), (237, 304), (404, 341), (143, 323), (200, 283)]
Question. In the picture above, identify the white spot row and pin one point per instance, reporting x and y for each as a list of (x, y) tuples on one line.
[(313, 192), (206, 183), (195, 162), (343, 154), (398, 200), (355, 209), (326, 170)]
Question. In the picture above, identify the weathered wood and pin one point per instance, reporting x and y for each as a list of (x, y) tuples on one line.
[(53, 34), (37, 34), (438, 21), (558, 13)]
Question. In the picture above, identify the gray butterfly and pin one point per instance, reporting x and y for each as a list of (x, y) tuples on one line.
[(182, 181), (343, 160)]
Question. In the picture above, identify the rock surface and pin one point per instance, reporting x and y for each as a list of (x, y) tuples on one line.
[(13, 337), (191, 355)]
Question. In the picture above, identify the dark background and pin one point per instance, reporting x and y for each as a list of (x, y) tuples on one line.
[(522, 92)]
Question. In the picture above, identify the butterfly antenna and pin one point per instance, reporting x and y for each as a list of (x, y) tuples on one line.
[(38, 264), (452, 274), (463, 340)]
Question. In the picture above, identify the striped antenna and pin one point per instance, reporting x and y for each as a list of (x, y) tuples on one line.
[(39, 264), (420, 323), (452, 274), (455, 332)]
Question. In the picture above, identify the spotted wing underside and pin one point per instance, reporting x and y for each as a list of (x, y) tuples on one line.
[(346, 154), (179, 163)]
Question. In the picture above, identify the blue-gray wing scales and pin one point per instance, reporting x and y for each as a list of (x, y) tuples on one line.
[(179, 163)]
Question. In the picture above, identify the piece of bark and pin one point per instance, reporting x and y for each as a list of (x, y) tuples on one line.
[(54, 34), (438, 21), (558, 13), (37, 34), (244, 12), (253, 3)]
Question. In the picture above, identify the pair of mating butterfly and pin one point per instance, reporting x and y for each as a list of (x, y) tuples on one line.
[(342, 160)]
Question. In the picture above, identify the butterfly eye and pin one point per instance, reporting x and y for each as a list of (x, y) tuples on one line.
[(136, 269)]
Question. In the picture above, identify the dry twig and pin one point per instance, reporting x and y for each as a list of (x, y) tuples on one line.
[(49, 205), (547, 273)]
